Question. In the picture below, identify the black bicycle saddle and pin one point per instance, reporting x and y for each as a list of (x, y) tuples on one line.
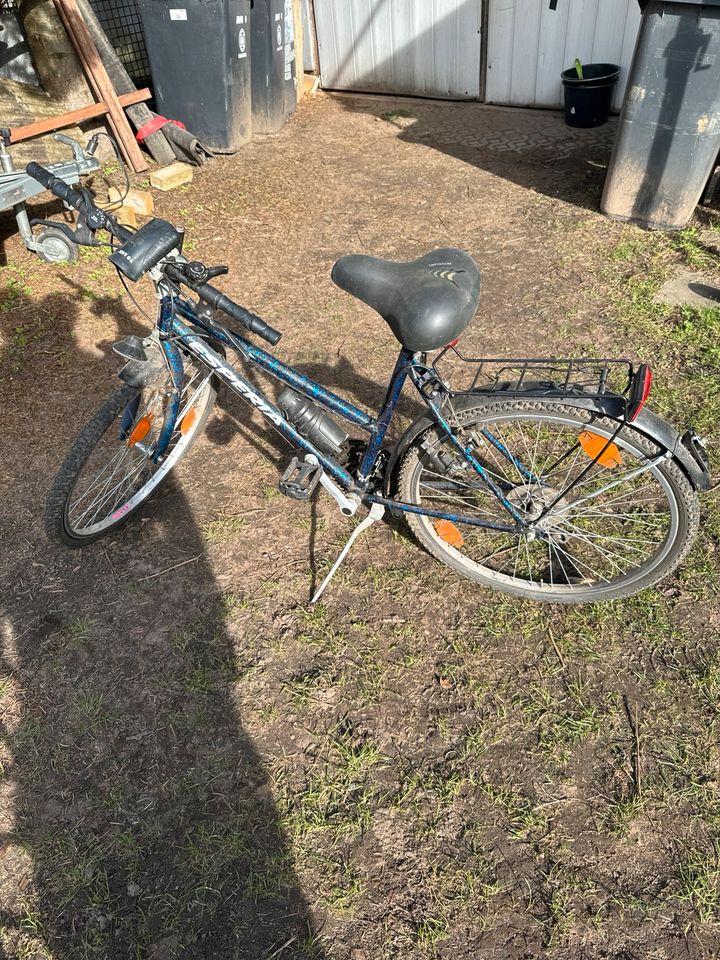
[(426, 303)]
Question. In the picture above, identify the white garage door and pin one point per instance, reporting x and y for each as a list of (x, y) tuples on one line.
[(428, 48), (529, 45)]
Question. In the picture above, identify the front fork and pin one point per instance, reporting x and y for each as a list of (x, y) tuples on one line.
[(174, 361)]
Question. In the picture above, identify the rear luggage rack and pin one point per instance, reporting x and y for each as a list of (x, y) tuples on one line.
[(552, 377)]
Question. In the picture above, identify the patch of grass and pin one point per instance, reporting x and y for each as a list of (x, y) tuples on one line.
[(301, 688), (15, 293), (431, 931), (698, 331), (622, 812), (696, 255), (392, 116), (208, 849), (230, 604), (565, 891), (270, 492), (337, 795), (624, 250), (525, 818), (475, 887), (79, 631), (319, 630), (222, 529), (94, 710), (699, 882)]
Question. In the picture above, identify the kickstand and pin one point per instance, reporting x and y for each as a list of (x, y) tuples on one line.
[(377, 511)]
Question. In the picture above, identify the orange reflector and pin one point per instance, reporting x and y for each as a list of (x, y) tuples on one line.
[(188, 420), (448, 532), (140, 430), (593, 444)]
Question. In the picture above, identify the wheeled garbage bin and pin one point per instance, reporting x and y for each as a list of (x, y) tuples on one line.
[(199, 53), (274, 83), (669, 130)]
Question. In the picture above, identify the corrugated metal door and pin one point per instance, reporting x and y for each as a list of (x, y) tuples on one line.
[(529, 46), (429, 48)]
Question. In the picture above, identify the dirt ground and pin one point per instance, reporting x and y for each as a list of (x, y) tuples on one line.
[(196, 763)]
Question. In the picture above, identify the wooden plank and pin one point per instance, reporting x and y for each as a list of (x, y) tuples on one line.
[(100, 82), (47, 125)]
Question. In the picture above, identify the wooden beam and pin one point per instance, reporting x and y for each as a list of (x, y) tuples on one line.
[(100, 82), (39, 127)]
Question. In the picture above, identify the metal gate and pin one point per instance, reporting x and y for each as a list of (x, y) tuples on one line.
[(430, 49), (529, 45)]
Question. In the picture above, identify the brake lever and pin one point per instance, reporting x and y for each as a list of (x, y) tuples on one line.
[(216, 272)]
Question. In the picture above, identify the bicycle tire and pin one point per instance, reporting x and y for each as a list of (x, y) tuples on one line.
[(683, 510), (58, 526)]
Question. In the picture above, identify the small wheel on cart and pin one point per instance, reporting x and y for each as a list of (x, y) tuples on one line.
[(55, 247)]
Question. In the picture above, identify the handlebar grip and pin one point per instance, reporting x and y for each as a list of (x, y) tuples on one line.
[(250, 320), (217, 299), (56, 186)]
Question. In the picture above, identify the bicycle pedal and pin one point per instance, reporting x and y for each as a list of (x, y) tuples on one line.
[(300, 479)]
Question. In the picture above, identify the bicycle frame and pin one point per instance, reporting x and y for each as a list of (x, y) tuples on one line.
[(408, 365)]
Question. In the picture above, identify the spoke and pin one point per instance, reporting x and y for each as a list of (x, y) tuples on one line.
[(122, 486), (465, 503), (102, 492), (579, 535), (503, 549), (576, 560), (101, 476), (610, 486)]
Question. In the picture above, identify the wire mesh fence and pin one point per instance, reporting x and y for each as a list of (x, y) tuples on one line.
[(120, 19)]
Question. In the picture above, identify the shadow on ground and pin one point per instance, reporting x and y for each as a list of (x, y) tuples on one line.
[(532, 148), (141, 823)]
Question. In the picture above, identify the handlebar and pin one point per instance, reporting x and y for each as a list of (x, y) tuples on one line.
[(56, 186), (98, 219), (217, 299), (95, 218)]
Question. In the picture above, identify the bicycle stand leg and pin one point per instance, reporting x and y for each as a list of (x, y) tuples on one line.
[(377, 511)]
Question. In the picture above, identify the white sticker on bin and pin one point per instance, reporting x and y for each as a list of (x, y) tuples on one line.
[(176, 14)]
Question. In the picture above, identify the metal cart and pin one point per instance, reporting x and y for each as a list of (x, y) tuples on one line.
[(16, 187)]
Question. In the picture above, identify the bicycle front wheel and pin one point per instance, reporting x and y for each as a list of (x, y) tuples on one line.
[(110, 471), (606, 533)]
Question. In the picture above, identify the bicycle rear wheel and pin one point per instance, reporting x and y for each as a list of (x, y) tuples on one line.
[(110, 472), (624, 526)]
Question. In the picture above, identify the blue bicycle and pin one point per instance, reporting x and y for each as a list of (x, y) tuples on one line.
[(547, 479)]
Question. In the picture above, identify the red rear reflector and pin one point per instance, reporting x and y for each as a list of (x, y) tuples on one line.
[(640, 390)]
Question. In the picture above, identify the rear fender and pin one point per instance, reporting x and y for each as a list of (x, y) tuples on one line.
[(686, 450)]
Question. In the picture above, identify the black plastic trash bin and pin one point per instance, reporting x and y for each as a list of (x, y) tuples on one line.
[(274, 84), (588, 99), (200, 62), (669, 130)]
